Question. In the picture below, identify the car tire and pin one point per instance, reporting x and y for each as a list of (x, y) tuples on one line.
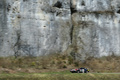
[(86, 72), (78, 71)]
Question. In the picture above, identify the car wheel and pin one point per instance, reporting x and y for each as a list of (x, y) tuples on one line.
[(78, 71), (86, 72)]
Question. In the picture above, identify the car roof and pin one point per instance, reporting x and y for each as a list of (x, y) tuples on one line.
[(82, 68)]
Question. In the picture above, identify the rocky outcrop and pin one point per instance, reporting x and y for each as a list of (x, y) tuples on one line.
[(96, 27), (35, 27), (40, 27)]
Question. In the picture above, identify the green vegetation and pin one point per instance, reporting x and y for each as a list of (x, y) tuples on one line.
[(57, 67), (58, 62), (59, 76)]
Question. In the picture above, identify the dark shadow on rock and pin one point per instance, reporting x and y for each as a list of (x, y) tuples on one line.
[(58, 4)]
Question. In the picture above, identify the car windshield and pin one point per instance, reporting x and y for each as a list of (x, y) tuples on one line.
[(82, 68)]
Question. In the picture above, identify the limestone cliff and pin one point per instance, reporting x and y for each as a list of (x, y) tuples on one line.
[(40, 27)]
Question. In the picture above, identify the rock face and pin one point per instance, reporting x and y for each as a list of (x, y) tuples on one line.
[(40, 27), (96, 27), (34, 27)]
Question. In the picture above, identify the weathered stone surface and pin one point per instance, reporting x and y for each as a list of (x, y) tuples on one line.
[(35, 27), (39, 27), (96, 27)]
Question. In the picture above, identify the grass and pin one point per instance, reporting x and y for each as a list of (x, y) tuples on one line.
[(56, 67), (58, 62), (64, 75)]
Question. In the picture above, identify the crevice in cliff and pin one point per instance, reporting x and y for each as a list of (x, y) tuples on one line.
[(83, 3), (17, 44), (58, 4), (118, 11), (72, 10), (8, 7), (71, 33)]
